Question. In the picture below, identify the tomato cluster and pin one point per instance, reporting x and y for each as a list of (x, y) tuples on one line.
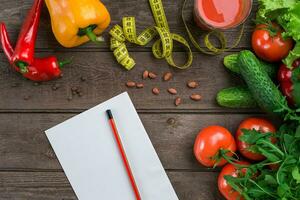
[(215, 146)]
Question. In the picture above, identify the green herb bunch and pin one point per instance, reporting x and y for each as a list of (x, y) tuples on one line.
[(278, 176)]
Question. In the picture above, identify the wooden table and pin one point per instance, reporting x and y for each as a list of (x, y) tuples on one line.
[(28, 166)]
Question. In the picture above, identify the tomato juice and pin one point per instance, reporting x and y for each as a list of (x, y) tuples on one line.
[(221, 14)]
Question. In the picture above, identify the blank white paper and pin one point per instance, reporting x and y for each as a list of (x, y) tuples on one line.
[(87, 151)]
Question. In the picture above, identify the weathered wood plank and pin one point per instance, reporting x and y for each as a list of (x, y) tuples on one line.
[(106, 78), (54, 186), (13, 13), (23, 145)]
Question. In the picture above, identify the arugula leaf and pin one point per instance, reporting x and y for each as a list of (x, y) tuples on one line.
[(297, 134), (296, 174), (288, 141), (252, 136), (284, 191)]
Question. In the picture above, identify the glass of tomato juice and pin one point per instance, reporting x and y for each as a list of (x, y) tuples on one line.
[(221, 14)]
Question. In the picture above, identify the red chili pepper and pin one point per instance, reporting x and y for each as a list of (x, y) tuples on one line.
[(285, 79), (41, 69), (23, 55)]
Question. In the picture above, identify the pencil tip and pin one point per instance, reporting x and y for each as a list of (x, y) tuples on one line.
[(109, 114)]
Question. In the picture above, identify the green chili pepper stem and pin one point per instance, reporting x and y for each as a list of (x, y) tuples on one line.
[(22, 66), (65, 62)]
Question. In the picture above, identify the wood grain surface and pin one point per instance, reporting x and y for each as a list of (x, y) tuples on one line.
[(28, 166)]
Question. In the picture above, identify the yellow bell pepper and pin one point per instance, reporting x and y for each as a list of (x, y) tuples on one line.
[(75, 22)]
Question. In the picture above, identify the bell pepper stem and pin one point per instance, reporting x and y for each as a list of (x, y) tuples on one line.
[(22, 66), (92, 36), (89, 32)]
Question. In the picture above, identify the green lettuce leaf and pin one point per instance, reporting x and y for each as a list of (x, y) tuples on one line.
[(293, 55), (290, 21), (271, 9)]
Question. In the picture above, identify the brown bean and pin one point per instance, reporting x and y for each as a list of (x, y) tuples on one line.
[(196, 97), (192, 84), (130, 84), (155, 91), (145, 74), (178, 101), (172, 91), (152, 75), (139, 85), (167, 76)]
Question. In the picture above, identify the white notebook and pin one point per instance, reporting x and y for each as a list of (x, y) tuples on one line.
[(87, 151)]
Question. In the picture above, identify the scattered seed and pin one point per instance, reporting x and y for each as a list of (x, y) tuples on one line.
[(80, 94), (36, 83), (139, 85), (192, 84), (172, 91), (178, 101), (196, 97), (152, 75), (155, 91), (145, 74), (130, 84), (167, 76), (70, 98)]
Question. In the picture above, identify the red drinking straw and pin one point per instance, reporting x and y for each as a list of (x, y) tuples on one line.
[(123, 154)]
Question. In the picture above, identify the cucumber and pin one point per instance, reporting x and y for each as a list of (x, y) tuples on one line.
[(231, 63), (264, 91), (236, 97)]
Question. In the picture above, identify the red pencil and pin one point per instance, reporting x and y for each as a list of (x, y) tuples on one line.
[(123, 154)]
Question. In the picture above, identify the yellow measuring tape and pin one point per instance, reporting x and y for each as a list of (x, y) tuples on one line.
[(162, 48), (211, 49)]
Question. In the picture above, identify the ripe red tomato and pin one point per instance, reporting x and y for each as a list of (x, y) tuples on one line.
[(226, 190), (272, 48), (258, 124), (208, 144)]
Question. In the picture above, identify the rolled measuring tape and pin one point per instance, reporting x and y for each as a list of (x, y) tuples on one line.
[(211, 49), (162, 47)]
